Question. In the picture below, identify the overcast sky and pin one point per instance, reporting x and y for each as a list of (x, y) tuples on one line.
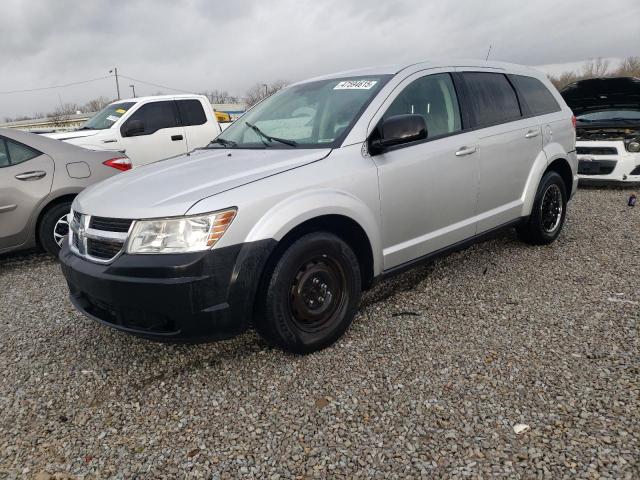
[(197, 45)]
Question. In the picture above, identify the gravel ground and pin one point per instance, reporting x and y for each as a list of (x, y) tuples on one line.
[(439, 367)]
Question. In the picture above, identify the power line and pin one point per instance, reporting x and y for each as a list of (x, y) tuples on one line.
[(7, 92), (155, 84)]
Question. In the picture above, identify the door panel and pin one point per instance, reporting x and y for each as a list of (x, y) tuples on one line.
[(428, 196), (507, 149), (506, 155), (161, 136), (164, 143), (199, 129), (428, 190), (19, 198)]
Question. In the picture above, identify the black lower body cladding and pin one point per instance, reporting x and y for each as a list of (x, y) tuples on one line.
[(190, 297)]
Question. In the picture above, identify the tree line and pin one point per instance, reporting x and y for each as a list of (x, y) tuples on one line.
[(630, 67), (65, 111)]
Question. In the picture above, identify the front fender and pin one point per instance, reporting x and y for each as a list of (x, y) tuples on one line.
[(295, 210)]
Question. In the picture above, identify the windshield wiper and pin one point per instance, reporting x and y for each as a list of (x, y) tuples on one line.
[(224, 142), (291, 143)]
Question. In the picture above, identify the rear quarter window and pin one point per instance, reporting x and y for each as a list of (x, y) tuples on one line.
[(492, 98), (537, 98), (13, 153), (191, 112)]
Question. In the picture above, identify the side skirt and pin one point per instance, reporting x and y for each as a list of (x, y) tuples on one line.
[(430, 257)]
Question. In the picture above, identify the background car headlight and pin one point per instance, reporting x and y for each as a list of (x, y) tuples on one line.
[(179, 234), (633, 146)]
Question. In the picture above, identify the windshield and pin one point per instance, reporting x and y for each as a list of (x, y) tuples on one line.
[(311, 115), (106, 117), (610, 115)]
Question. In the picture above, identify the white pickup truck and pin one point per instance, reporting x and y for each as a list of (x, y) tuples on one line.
[(148, 128)]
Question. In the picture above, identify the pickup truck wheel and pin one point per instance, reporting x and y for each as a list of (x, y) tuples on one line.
[(548, 214), (53, 227), (312, 295)]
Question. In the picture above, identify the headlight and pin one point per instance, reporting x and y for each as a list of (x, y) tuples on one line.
[(633, 146), (179, 234)]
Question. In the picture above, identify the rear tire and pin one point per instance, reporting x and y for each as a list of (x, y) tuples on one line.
[(547, 217), (53, 227), (311, 295)]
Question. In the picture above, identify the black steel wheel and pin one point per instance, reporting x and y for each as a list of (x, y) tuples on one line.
[(311, 295)]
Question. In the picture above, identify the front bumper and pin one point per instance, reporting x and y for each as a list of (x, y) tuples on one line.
[(617, 167), (188, 297)]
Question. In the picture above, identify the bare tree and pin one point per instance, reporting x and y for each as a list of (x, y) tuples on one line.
[(630, 67), (592, 69), (220, 96), (595, 68), (96, 104), (263, 90), (63, 113)]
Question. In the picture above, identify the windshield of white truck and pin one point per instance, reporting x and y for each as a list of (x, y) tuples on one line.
[(106, 117), (310, 115)]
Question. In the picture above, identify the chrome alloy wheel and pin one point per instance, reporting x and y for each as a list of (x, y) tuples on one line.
[(551, 208), (60, 230)]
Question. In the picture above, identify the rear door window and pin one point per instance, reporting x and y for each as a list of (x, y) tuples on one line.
[(4, 154), (13, 153), (155, 116), (191, 112), (536, 97), (492, 98)]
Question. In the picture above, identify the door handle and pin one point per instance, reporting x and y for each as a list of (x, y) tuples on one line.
[(532, 133), (466, 151), (7, 208), (28, 176), (175, 138)]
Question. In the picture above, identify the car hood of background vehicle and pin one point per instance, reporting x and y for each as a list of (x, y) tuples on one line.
[(70, 135), (170, 187), (602, 94)]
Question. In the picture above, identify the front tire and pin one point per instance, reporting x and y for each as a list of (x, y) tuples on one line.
[(311, 296), (549, 212), (53, 227)]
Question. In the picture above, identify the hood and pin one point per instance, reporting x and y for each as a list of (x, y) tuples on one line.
[(170, 187), (70, 135), (602, 94)]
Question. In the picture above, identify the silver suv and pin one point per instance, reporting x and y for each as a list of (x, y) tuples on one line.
[(316, 193)]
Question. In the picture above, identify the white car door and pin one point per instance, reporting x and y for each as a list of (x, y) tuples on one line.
[(153, 132), (428, 188), (199, 129)]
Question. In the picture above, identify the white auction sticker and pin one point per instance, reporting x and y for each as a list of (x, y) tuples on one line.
[(113, 118), (355, 85)]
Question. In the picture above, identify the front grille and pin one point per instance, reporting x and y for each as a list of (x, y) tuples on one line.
[(596, 167), (110, 224), (128, 317), (102, 249), (76, 243), (596, 150)]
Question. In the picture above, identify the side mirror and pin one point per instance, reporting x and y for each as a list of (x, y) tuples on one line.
[(398, 130), (132, 128)]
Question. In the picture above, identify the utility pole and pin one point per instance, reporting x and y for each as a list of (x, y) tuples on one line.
[(488, 53), (115, 71), (133, 87)]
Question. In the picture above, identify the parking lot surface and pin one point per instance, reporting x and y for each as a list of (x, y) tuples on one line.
[(438, 368)]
